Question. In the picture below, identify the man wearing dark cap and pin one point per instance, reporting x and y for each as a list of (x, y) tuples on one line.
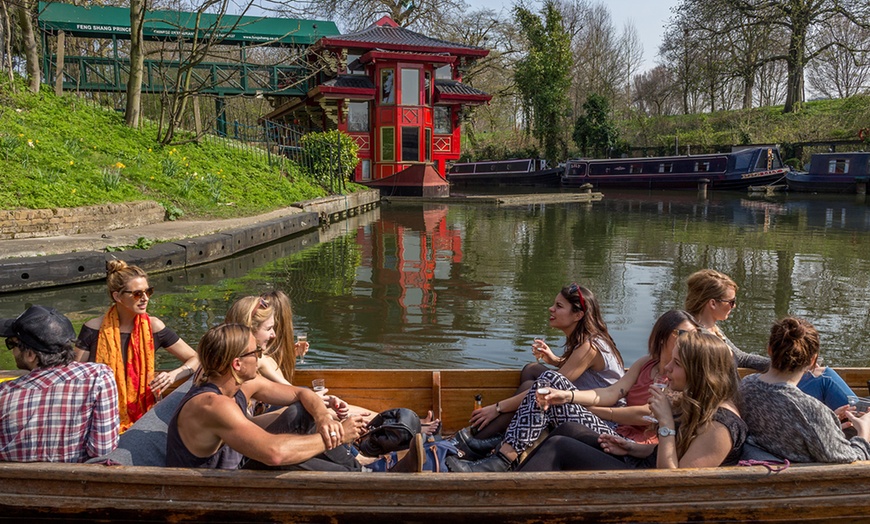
[(62, 410)]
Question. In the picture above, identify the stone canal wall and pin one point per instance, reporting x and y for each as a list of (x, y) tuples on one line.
[(34, 223), (69, 268)]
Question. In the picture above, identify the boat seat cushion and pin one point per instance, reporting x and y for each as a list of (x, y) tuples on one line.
[(144, 444)]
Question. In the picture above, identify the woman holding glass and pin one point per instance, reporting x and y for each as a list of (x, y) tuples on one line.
[(591, 360), (126, 339), (705, 430)]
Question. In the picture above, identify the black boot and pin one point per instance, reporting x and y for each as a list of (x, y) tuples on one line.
[(472, 448), (495, 463)]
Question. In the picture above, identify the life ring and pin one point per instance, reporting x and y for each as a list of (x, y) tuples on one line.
[(864, 134)]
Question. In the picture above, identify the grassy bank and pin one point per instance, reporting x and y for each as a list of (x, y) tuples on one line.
[(67, 152), (820, 121)]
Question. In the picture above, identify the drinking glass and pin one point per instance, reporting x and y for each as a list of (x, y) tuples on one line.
[(301, 336), (661, 382), (318, 384), (536, 351)]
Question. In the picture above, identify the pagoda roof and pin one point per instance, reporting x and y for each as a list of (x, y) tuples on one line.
[(452, 91), (385, 34)]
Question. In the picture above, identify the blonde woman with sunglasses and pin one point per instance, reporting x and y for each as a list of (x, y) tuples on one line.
[(126, 338), (711, 298)]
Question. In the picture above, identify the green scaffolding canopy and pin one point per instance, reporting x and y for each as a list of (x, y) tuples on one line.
[(108, 22)]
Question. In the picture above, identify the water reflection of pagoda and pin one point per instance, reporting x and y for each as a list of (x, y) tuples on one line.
[(407, 251)]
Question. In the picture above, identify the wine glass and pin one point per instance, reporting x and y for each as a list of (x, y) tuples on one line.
[(301, 336)]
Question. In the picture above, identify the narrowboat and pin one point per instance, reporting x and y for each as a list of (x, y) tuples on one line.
[(524, 172), (832, 173), (736, 170), (92, 492)]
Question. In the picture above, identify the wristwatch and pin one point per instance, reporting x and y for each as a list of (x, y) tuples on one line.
[(666, 432)]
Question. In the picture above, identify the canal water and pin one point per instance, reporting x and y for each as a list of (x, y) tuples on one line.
[(468, 285)]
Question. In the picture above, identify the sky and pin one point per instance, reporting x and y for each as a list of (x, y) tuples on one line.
[(648, 16)]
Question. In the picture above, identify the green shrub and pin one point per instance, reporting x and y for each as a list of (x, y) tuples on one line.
[(330, 154)]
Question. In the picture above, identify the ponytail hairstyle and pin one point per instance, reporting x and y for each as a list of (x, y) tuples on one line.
[(591, 326), (705, 285), (711, 379), (282, 348), (664, 328), (793, 343), (118, 273), (219, 347)]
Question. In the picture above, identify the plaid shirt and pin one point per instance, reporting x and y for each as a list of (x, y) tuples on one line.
[(59, 414)]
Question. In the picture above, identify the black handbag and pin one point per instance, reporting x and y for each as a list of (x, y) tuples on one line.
[(389, 431)]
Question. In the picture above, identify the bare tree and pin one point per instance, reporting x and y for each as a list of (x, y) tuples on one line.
[(6, 32), (28, 37), (842, 70), (137, 62), (679, 51), (654, 92), (800, 20), (425, 15)]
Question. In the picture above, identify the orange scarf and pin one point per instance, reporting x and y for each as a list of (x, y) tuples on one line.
[(134, 390)]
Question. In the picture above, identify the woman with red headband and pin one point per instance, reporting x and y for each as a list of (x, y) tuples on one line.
[(590, 360)]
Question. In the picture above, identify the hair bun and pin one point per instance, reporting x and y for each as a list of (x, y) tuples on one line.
[(115, 265)]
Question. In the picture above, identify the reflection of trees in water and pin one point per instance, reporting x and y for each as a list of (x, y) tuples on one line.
[(807, 259)]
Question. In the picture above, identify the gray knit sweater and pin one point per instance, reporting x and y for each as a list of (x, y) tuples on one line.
[(793, 425)]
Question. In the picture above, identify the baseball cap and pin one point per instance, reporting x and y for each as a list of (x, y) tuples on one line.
[(40, 328)]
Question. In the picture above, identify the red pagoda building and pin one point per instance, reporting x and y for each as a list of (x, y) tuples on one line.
[(400, 95)]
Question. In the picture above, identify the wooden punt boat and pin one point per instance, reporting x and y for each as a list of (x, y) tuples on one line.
[(832, 173), (819, 493), (525, 172), (735, 170)]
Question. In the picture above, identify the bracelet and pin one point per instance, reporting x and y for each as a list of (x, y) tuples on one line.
[(572, 396), (497, 409), (189, 370)]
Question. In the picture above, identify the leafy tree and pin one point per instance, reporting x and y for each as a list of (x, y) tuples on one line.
[(595, 130), (542, 76)]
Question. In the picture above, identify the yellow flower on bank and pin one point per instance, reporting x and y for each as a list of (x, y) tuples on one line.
[(119, 165), (71, 162), (149, 149), (152, 178), (74, 191), (30, 143)]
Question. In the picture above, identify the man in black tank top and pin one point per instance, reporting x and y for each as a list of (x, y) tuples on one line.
[(210, 429)]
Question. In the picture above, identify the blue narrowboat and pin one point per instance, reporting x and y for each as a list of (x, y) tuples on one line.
[(736, 170), (832, 173)]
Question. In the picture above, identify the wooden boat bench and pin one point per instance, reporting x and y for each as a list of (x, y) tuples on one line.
[(449, 393)]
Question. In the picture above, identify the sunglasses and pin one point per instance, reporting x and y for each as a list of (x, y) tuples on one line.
[(575, 288), (13, 344), (139, 293), (258, 352), (732, 302)]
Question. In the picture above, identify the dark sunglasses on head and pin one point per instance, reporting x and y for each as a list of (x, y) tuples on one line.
[(139, 293), (732, 302), (575, 288)]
